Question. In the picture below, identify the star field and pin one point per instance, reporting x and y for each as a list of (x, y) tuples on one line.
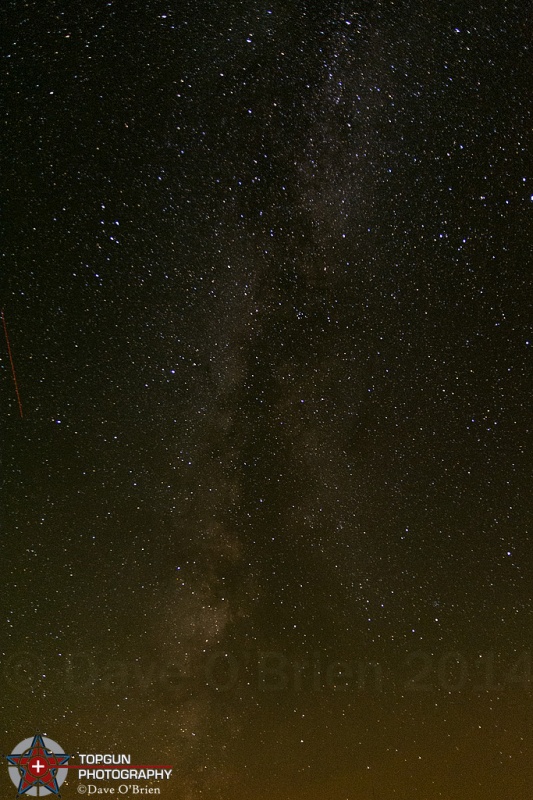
[(266, 516)]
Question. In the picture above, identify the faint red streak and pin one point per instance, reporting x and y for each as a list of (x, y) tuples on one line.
[(12, 364)]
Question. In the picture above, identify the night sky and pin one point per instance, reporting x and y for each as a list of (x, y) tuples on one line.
[(267, 286)]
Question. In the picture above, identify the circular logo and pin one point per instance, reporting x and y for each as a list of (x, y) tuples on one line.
[(36, 766)]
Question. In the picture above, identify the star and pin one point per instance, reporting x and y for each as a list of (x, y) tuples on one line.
[(38, 766)]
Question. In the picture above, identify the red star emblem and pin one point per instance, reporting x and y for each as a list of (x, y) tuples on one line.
[(38, 766)]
